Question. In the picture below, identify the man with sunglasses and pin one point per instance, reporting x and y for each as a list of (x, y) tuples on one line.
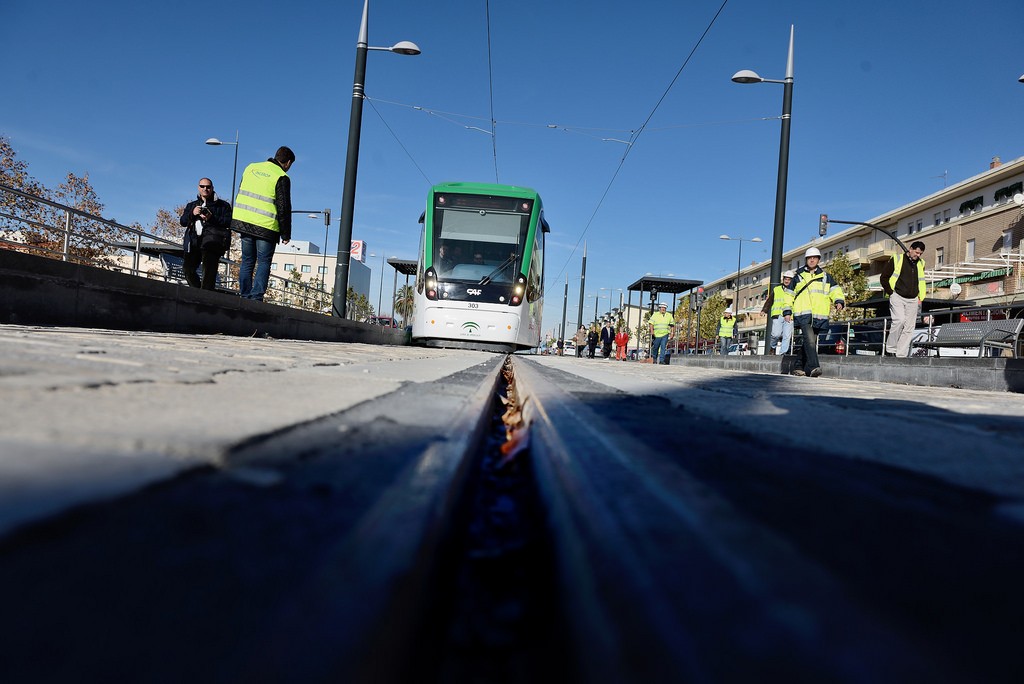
[(207, 222)]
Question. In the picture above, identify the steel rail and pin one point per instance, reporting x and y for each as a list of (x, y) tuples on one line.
[(633, 530)]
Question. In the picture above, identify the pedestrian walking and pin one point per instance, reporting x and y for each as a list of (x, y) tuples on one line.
[(207, 223), (592, 339), (263, 216), (726, 330), (902, 278), (581, 341), (607, 339), (779, 300), (661, 324), (814, 294), (621, 342)]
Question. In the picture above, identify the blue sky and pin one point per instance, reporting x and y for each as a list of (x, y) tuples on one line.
[(888, 97)]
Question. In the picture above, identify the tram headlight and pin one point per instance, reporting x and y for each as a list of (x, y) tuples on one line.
[(431, 282), (517, 291)]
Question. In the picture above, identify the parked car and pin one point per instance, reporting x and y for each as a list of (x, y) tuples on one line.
[(856, 338), (383, 321), (738, 349)]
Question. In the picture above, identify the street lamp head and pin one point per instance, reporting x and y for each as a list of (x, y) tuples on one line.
[(756, 240), (724, 237), (405, 47), (213, 141), (1021, 79), (746, 76)]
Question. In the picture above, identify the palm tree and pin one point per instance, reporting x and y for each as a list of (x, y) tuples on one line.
[(403, 302)]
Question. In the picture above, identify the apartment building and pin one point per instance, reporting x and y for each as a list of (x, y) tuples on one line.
[(972, 232)]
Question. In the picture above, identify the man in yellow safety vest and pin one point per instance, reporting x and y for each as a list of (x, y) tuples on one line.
[(263, 216), (779, 299), (661, 323), (902, 278), (726, 330)]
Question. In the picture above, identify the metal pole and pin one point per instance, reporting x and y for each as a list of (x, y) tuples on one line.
[(327, 232), (380, 290), (340, 304), (565, 301), (583, 283), (394, 292), (234, 169), (775, 276)]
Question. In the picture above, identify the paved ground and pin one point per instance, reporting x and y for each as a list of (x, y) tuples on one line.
[(91, 414), (912, 497), (964, 437)]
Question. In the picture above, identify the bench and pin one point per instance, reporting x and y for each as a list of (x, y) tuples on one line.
[(174, 267), (174, 271), (980, 334)]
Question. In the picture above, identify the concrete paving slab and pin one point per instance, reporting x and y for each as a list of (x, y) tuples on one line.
[(966, 437), (96, 413)]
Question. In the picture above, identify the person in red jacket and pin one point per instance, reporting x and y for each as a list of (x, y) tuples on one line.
[(621, 342)]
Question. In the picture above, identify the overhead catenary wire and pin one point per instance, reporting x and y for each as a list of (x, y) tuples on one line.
[(635, 136)]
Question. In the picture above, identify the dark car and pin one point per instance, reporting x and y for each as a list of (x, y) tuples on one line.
[(858, 338)]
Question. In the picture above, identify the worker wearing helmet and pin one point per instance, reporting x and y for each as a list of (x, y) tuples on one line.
[(814, 294), (726, 330), (661, 323), (779, 299)]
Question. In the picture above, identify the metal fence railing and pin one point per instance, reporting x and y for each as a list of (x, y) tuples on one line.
[(36, 225)]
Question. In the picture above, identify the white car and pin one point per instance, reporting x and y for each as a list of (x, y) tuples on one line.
[(740, 349)]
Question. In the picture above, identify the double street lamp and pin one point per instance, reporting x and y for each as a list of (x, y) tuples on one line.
[(747, 76), (739, 265), (234, 168), (348, 199)]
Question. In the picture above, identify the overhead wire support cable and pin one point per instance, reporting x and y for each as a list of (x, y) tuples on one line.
[(400, 143), (490, 83)]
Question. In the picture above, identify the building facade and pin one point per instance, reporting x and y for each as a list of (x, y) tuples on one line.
[(972, 233)]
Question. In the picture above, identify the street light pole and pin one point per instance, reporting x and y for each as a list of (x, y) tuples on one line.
[(348, 200), (739, 268), (747, 76), (234, 168)]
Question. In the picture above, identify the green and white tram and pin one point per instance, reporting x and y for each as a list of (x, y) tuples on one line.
[(480, 277)]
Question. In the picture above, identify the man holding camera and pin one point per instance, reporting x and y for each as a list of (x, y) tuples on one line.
[(207, 222)]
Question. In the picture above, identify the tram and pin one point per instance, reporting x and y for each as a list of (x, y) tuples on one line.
[(480, 276)]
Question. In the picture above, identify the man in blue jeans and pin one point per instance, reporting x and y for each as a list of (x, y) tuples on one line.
[(262, 215), (661, 324)]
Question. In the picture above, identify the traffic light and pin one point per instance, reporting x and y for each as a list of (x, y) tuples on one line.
[(822, 224), (700, 297)]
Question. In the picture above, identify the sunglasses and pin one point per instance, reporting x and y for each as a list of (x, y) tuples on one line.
[(208, 187)]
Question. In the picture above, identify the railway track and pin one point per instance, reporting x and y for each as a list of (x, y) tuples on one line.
[(531, 525)]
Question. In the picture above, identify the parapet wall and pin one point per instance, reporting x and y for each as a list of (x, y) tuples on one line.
[(40, 291)]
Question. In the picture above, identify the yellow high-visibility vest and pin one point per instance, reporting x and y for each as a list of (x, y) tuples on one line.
[(897, 260), (255, 201)]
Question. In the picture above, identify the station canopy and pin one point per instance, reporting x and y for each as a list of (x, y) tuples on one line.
[(406, 267), (664, 285)]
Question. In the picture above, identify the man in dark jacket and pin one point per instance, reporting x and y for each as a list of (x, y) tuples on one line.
[(263, 216), (607, 337), (207, 222)]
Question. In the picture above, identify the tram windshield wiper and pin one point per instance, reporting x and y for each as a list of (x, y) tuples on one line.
[(499, 269)]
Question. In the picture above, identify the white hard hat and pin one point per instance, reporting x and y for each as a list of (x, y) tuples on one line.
[(729, 310), (812, 251), (789, 274), (663, 305)]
